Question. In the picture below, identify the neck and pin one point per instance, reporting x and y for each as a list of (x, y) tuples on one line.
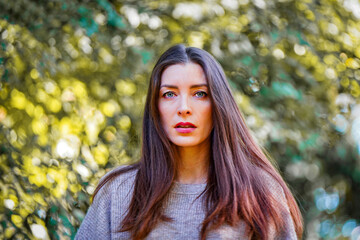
[(193, 163)]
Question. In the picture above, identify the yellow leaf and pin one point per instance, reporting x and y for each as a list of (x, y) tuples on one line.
[(17, 220), (18, 99), (34, 73), (124, 123), (352, 63)]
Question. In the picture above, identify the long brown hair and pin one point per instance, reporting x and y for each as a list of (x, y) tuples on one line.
[(235, 189)]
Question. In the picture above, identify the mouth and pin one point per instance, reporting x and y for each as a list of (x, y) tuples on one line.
[(185, 127)]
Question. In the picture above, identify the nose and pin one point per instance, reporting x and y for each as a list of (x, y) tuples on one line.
[(184, 108)]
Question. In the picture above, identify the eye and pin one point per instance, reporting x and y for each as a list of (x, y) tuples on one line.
[(201, 94), (169, 95)]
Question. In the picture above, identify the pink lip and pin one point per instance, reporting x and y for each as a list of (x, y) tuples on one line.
[(184, 124), (185, 130)]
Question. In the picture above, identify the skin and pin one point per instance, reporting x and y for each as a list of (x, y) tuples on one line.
[(184, 97)]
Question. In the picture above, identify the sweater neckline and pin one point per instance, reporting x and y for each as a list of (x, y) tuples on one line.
[(183, 188)]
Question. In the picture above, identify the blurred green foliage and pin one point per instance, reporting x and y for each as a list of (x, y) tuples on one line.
[(74, 77)]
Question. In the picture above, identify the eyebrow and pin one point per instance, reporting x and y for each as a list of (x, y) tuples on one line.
[(192, 86)]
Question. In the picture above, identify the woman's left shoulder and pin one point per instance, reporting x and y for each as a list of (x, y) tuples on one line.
[(272, 183), (280, 202)]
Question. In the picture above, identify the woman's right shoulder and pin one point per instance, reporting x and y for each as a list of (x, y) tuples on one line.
[(120, 177), (109, 199)]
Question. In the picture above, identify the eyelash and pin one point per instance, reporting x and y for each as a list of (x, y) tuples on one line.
[(205, 94), (165, 94)]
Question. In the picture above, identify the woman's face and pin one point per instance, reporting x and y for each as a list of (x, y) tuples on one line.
[(184, 104)]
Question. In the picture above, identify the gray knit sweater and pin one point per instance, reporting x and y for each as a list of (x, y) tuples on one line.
[(109, 207)]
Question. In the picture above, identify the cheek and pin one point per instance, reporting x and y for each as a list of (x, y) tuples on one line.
[(165, 115), (206, 114)]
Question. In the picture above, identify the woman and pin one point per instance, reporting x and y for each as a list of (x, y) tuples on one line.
[(201, 175)]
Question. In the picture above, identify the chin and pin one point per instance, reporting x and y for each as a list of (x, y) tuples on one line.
[(185, 142)]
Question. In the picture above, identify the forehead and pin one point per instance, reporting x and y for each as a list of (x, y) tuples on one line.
[(183, 74)]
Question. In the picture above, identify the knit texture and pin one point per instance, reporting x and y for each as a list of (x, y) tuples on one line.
[(110, 205)]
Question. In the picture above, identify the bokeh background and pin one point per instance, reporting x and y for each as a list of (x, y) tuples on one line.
[(74, 75)]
